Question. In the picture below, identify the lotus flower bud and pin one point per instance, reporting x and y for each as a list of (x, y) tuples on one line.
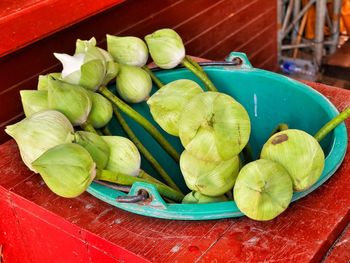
[(299, 153), (133, 84), (208, 178), (40, 132), (34, 101), (166, 48), (111, 67), (43, 80), (101, 112), (72, 100), (198, 198), (130, 51), (124, 156), (67, 169), (87, 69), (214, 127), (168, 102), (95, 145), (263, 189)]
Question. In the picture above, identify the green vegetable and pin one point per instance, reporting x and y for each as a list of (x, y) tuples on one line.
[(67, 169), (299, 153), (41, 131), (263, 190), (167, 103)]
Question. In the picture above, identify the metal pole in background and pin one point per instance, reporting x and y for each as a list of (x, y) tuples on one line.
[(335, 25), (279, 27), (319, 27), (295, 13)]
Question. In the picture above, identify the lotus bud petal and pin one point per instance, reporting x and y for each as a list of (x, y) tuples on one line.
[(213, 126), (133, 84), (124, 156), (71, 66), (95, 145), (263, 189), (299, 153), (208, 178), (130, 51), (111, 67), (34, 101), (168, 102), (166, 48), (67, 169), (198, 198), (87, 68), (72, 100), (43, 80), (101, 111), (40, 132)]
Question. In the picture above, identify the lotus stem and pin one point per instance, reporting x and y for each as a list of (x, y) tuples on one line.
[(142, 121), (123, 179), (332, 124), (149, 157), (194, 63), (154, 78), (199, 73), (106, 131), (88, 127), (280, 127)]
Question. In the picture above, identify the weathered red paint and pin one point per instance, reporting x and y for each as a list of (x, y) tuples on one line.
[(44, 227)]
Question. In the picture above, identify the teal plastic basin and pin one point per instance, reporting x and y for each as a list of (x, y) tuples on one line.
[(269, 98)]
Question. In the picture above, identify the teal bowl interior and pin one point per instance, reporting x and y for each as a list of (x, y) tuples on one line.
[(270, 99)]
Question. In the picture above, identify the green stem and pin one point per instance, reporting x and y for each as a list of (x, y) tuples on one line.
[(88, 127), (106, 131), (194, 63), (148, 177), (332, 124), (144, 150), (124, 179), (142, 121), (280, 127), (155, 79), (200, 74)]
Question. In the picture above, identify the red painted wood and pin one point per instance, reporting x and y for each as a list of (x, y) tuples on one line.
[(44, 17), (303, 233), (340, 252)]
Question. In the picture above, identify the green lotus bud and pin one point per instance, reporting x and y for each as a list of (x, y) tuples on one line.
[(208, 178), (213, 126), (166, 48), (133, 84), (299, 153), (95, 145), (87, 69), (43, 80), (72, 100), (67, 169), (34, 101), (198, 198), (101, 111), (124, 156), (40, 132), (168, 102), (130, 51), (263, 189), (111, 67)]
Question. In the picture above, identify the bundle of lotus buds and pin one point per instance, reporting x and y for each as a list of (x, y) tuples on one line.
[(67, 135)]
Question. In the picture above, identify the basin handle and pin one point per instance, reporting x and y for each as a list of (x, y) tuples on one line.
[(245, 63), (138, 189)]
